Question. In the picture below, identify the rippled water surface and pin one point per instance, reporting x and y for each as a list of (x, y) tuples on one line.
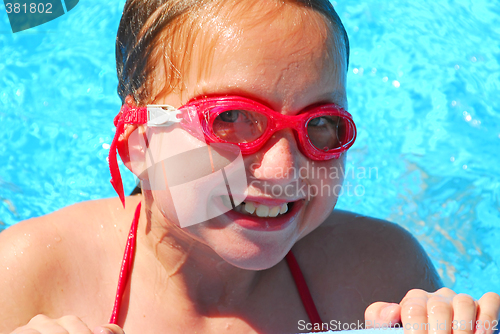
[(423, 87)]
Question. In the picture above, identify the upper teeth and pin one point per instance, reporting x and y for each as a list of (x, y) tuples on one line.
[(262, 210)]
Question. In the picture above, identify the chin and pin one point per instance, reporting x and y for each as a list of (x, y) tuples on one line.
[(253, 256)]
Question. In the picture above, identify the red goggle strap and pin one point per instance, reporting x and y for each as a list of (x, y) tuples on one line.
[(127, 115)]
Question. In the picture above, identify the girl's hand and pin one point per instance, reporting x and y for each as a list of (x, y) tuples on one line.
[(70, 324), (441, 312)]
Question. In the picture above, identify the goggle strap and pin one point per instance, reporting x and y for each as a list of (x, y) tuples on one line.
[(127, 115), (132, 115), (116, 179)]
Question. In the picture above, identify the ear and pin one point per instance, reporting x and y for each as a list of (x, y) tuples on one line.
[(132, 145)]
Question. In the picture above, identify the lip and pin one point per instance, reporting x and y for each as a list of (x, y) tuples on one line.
[(266, 223)]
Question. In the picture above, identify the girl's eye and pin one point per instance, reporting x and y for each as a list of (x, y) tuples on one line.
[(239, 126), (326, 132), (230, 116), (321, 121)]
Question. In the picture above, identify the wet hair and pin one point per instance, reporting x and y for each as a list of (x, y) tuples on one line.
[(147, 24)]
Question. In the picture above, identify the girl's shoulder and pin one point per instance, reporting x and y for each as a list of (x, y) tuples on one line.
[(47, 259), (79, 226), (347, 236), (360, 260)]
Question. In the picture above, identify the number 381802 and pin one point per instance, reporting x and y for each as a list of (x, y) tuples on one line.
[(32, 8)]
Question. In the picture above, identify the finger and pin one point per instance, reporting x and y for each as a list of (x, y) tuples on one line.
[(74, 325), (108, 329), (42, 328), (23, 330), (464, 314), (440, 314), (487, 313), (380, 314), (445, 292), (415, 293), (27, 329), (42, 324), (414, 314)]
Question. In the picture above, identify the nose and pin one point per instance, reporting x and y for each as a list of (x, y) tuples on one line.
[(278, 159)]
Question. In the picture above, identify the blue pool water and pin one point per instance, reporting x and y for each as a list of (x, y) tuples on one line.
[(423, 87)]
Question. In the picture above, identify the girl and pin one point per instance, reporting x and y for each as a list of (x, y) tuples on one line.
[(267, 78)]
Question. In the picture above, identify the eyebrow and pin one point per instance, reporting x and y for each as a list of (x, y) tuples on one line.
[(327, 98)]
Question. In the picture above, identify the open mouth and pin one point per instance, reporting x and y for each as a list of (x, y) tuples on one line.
[(254, 209), (261, 217)]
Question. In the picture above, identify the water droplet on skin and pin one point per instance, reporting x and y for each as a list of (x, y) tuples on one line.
[(102, 226), (57, 239), (48, 246)]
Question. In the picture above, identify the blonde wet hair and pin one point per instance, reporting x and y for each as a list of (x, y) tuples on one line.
[(160, 34)]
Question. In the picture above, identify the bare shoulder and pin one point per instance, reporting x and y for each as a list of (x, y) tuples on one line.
[(354, 257), (41, 256)]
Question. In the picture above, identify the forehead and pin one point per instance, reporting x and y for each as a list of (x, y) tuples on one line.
[(278, 53), (270, 50)]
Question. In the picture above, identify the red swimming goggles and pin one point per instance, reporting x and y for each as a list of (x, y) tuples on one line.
[(323, 132)]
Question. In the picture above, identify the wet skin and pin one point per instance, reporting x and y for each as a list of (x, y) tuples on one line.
[(216, 275)]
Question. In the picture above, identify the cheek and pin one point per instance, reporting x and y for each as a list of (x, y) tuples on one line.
[(327, 179), (164, 203), (188, 179), (160, 168)]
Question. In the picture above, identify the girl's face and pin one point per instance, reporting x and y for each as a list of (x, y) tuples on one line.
[(289, 64)]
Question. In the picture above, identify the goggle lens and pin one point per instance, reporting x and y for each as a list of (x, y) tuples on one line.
[(327, 132), (239, 126)]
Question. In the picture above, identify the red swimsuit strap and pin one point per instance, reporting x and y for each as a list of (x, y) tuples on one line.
[(128, 261), (305, 294), (126, 269)]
